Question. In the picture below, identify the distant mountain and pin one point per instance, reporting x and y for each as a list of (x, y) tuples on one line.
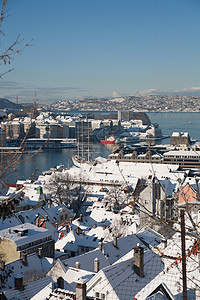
[(5, 103)]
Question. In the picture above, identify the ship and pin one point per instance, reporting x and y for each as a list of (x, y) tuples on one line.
[(109, 140)]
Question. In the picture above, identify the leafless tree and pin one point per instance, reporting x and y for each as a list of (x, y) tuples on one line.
[(59, 187), (13, 48), (116, 229)]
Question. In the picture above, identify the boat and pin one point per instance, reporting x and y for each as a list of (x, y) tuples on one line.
[(109, 140), (69, 143), (78, 159)]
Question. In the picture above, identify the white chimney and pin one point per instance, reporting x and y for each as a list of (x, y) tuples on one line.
[(78, 265), (163, 244), (96, 265), (81, 289), (101, 246)]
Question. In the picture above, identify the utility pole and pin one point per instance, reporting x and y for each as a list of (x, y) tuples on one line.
[(182, 211)]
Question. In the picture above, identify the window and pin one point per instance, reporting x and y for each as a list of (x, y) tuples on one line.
[(97, 294), (103, 297)]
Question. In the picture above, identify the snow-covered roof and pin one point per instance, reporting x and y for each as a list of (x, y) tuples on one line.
[(173, 249), (171, 277), (124, 172), (182, 154), (86, 260), (30, 289), (124, 245), (150, 237), (29, 234), (34, 268), (181, 134), (120, 281)]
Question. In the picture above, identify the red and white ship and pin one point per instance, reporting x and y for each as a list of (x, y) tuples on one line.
[(110, 140)]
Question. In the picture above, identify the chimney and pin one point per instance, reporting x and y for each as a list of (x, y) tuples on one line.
[(78, 230), (115, 241), (81, 218), (95, 225), (78, 265), (197, 187), (104, 226), (163, 244), (70, 220), (49, 203), (37, 222), (19, 283), (121, 221), (70, 228), (2, 265), (100, 246), (24, 259), (9, 230), (66, 228), (40, 252), (60, 283), (130, 221), (81, 289), (198, 217), (96, 265), (133, 210), (46, 218), (138, 262), (56, 225)]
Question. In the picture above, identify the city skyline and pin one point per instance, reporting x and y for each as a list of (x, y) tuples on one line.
[(105, 48)]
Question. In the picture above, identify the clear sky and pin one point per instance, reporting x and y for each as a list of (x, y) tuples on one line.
[(102, 48)]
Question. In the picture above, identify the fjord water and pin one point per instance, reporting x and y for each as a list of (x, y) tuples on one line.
[(171, 121), (168, 122)]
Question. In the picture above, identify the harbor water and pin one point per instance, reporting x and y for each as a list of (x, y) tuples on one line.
[(168, 122)]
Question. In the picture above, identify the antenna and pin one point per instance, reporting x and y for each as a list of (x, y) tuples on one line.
[(88, 143), (82, 138)]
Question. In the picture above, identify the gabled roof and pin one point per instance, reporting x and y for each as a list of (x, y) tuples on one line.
[(34, 268), (120, 281), (73, 275), (173, 249), (72, 241), (172, 278), (31, 233), (57, 294), (86, 260), (31, 289), (150, 237), (124, 245)]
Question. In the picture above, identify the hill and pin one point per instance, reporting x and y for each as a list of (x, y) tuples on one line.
[(7, 104)]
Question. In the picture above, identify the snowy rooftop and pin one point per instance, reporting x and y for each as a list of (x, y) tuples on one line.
[(86, 261), (120, 280), (24, 234), (180, 154), (181, 134), (35, 266)]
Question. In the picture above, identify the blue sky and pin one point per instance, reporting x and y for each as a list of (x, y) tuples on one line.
[(102, 48)]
